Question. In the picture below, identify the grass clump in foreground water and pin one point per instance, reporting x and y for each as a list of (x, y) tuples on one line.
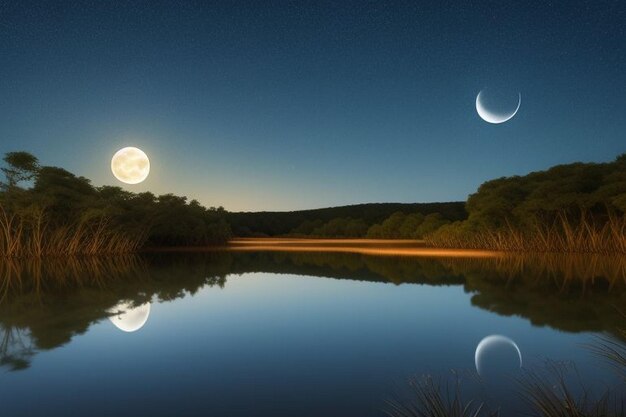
[(430, 398), (551, 393), (548, 393), (612, 350), (556, 390)]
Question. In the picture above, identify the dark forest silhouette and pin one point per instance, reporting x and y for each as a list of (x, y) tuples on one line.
[(578, 207), (50, 211)]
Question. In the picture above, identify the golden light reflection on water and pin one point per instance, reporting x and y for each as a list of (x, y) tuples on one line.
[(374, 247)]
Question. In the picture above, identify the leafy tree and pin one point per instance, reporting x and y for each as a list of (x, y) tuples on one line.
[(411, 226), (333, 228), (289, 222), (21, 166), (65, 214), (571, 191), (375, 232), (355, 228), (431, 223), (307, 227)]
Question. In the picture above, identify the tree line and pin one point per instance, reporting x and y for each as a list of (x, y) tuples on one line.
[(578, 207), (397, 226), (343, 221), (46, 210)]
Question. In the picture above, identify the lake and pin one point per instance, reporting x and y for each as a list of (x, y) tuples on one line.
[(301, 333)]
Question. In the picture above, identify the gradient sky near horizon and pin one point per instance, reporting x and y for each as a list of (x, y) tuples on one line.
[(281, 105)]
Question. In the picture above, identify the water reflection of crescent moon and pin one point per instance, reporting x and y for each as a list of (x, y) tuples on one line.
[(492, 116), (129, 318), (494, 343)]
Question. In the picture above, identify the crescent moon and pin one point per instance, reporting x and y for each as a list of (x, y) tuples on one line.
[(493, 339), (492, 117)]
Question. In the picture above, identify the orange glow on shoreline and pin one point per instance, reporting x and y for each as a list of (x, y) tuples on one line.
[(375, 247), (372, 247)]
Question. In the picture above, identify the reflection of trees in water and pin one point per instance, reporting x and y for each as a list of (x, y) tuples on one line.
[(396, 270), (51, 304), (556, 272), (562, 272), (37, 276), (571, 293), (52, 300), (15, 348)]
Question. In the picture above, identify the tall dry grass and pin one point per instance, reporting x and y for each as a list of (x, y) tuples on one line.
[(30, 234), (561, 236)]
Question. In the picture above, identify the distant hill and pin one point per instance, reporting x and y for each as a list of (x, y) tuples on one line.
[(273, 223)]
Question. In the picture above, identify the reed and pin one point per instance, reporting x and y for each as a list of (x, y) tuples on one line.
[(31, 234), (563, 235), (612, 349), (552, 394), (432, 399)]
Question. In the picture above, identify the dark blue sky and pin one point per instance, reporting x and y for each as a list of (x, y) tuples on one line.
[(286, 105)]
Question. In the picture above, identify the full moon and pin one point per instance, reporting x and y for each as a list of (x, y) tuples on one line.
[(129, 318), (130, 165), (490, 106)]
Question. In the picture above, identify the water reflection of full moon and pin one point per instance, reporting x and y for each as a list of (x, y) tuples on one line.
[(497, 355), (128, 317)]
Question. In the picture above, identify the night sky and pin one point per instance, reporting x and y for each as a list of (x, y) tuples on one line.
[(288, 105)]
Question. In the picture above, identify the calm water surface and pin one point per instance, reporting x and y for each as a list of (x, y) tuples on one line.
[(279, 334)]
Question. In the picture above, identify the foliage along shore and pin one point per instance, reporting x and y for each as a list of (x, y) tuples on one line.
[(573, 208), (61, 214), (579, 207)]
